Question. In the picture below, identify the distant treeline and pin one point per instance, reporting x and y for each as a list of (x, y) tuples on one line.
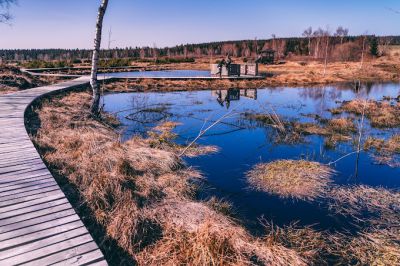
[(313, 46)]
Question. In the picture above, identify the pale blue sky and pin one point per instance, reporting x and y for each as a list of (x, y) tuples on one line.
[(70, 23)]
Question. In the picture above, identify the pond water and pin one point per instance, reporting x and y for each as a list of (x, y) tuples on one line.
[(162, 74), (243, 144)]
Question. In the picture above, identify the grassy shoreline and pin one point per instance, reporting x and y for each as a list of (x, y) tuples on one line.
[(147, 215), (136, 197)]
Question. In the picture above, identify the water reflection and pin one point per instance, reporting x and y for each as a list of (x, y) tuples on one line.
[(225, 97), (242, 146)]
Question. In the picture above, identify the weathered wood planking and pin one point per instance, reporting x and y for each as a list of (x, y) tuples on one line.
[(38, 226)]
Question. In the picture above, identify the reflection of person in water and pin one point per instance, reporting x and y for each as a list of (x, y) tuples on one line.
[(219, 98), (227, 99), (220, 65)]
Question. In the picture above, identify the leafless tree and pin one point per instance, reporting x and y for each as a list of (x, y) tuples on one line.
[(326, 35), (308, 34), (318, 34), (5, 15), (95, 60), (341, 33), (364, 39)]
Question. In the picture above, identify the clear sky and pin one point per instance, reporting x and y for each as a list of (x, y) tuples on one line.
[(70, 23)]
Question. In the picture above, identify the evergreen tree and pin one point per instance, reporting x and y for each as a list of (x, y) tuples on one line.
[(373, 46)]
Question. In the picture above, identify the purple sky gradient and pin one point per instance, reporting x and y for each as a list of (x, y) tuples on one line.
[(70, 24)]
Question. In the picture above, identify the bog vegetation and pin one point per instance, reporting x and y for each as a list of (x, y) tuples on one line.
[(150, 211)]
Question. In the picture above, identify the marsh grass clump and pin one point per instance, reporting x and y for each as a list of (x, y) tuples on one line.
[(334, 130), (220, 205), (379, 210), (385, 151), (141, 193), (297, 179), (211, 244), (374, 247), (382, 204), (381, 114), (283, 130), (312, 244), (162, 136)]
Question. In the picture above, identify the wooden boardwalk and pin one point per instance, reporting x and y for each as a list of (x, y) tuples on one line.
[(38, 226)]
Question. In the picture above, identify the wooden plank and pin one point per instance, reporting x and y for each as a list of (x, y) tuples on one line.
[(21, 250), (12, 202), (32, 215), (26, 184), (84, 259), (25, 204), (5, 179), (37, 220), (30, 193), (19, 167), (55, 253), (27, 189), (20, 240), (38, 227), (26, 172), (23, 181), (37, 223), (32, 209), (20, 161)]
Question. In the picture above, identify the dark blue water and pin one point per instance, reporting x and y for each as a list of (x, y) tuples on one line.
[(162, 74), (243, 144)]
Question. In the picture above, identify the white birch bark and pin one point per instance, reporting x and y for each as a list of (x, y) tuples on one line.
[(95, 59)]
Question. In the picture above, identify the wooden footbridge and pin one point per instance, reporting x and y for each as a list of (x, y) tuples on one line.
[(38, 226)]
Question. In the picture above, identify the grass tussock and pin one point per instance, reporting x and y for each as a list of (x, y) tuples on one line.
[(215, 243), (141, 193), (375, 247), (385, 151), (334, 130), (162, 137), (378, 208), (315, 246), (381, 114), (291, 179), (383, 204)]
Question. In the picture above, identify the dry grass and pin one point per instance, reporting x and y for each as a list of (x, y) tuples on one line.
[(291, 179), (375, 247), (385, 152), (292, 73), (356, 201), (379, 243), (316, 246), (162, 137), (141, 193), (12, 80), (381, 114), (334, 130)]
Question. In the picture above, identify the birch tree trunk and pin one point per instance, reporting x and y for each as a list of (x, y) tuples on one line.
[(326, 54), (95, 59)]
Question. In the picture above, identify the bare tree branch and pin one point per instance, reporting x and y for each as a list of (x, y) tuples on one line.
[(5, 15), (203, 131)]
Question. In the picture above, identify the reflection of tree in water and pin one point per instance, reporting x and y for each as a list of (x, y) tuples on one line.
[(150, 115), (144, 112), (322, 97)]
